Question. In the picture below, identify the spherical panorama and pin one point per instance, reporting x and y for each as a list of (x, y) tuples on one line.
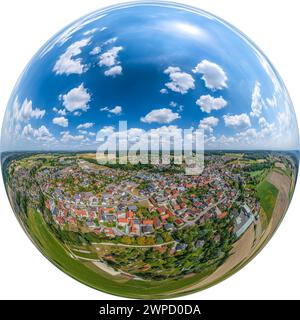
[(149, 150)]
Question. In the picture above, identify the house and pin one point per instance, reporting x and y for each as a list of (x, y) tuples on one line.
[(109, 232), (243, 220), (147, 229), (108, 218), (168, 226), (93, 201), (164, 217), (179, 222), (148, 222), (122, 221), (157, 223), (80, 213)]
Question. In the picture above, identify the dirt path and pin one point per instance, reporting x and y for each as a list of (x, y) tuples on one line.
[(131, 245)]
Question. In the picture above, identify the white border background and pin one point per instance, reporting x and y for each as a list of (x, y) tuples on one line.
[(25, 25)]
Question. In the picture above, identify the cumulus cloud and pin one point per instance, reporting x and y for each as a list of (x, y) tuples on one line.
[(40, 134), (61, 112), (23, 112), (68, 63), (181, 81), (138, 138), (86, 125), (67, 137), (76, 99), (207, 103), (110, 41), (262, 122), (91, 31), (238, 121), (208, 124), (110, 57), (272, 102), (117, 110), (163, 91), (257, 101), (113, 71), (61, 121), (95, 51), (163, 115), (212, 74), (106, 131)]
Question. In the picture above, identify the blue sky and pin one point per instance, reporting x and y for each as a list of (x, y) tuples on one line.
[(159, 68)]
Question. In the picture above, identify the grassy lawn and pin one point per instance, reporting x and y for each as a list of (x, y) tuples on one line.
[(267, 194), (86, 273)]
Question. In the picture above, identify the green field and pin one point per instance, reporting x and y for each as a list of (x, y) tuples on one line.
[(267, 194), (94, 277)]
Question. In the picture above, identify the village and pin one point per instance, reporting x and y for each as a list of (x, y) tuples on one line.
[(141, 203), (146, 222)]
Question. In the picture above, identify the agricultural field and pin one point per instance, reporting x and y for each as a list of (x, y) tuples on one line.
[(267, 193)]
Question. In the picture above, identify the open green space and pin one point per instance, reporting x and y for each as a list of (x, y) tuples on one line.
[(267, 193), (256, 173)]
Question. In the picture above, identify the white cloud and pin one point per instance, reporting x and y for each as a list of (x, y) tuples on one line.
[(40, 134), (173, 104), (91, 31), (208, 124), (262, 122), (61, 121), (24, 112), (110, 41), (213, 75), (163, 115), (67, 137), (257, 101), (110, 57), (181, 82), (207, 103), (180, 108), (86, 125), (248, 134), (106, 131), (272, 102), (163, 91), (68, 63), (61, 112), (240, 121), (113, 71), (95, 51), (116, 110), (76, 99)]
